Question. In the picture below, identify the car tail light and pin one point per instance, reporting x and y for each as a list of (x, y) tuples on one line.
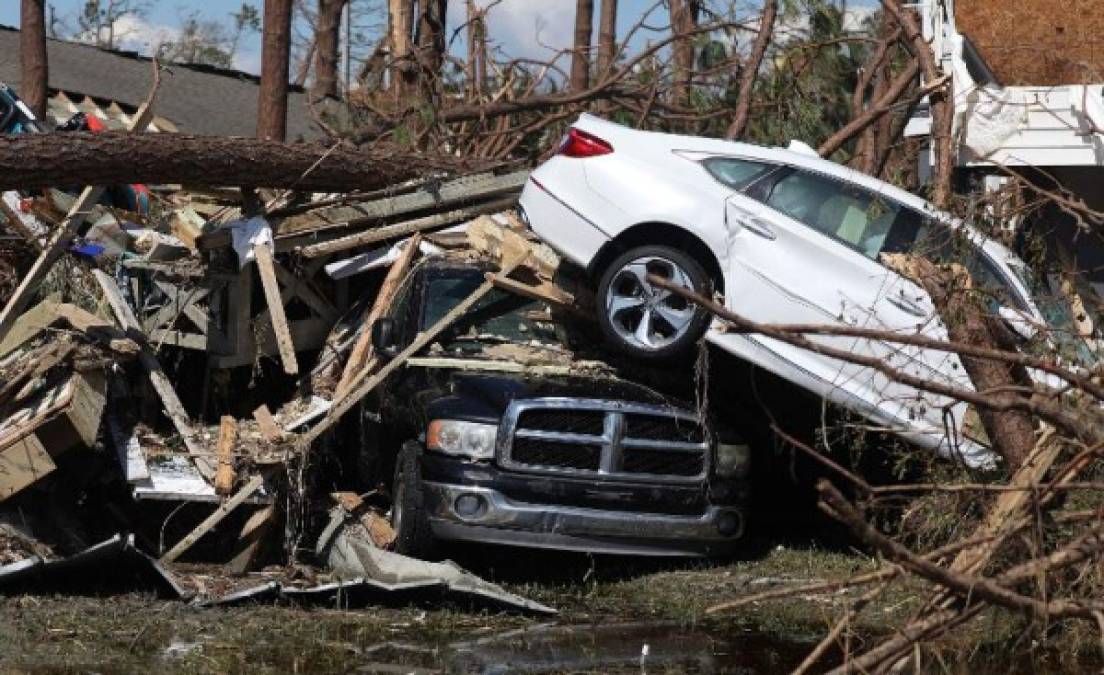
[(581, 144)]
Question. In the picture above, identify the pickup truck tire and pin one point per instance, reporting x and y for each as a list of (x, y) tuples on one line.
[(643, 320), (413, 536)]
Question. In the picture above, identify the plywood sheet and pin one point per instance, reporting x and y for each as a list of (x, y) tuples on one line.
[(1036, 42)]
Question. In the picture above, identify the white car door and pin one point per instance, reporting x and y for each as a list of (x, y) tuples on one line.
[(803, 247)]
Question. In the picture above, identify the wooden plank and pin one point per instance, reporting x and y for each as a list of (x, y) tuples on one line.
[(358, 358), (404, 229), (51, 252), (305, 291), (228, 435), (276, 309), (63, 235), (169, 400), (23, 464), (253, 534), (224, 509), (363, 384), (178, 338), (543, 292), (269, 429)]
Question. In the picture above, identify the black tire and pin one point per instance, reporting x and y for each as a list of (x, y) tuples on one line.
[(413, 536), (616, 281)]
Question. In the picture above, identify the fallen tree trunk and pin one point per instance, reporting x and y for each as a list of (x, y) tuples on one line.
[(35, 161)]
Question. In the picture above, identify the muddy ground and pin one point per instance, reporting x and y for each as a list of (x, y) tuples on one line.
[(614, 612)]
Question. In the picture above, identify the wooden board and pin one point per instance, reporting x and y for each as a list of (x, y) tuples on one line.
[(228, 435), (23, 464), (276, 309), (1036, 42)]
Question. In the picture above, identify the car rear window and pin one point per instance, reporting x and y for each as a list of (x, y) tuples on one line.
[(735, 173)]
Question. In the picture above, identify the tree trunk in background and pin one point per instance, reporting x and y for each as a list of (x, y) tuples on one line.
[(683, 21), (34, 78), (942, 110), (580, 56), (327, 40), (275, 62), (751, 70), (607, 37), (431, 45), (400, 15), (477, 51), (118, 158)]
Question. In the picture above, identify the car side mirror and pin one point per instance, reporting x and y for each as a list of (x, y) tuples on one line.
[(384, 340)]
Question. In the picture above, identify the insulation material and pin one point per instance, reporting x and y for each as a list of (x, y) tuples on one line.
[(1036, 42), (994, 116)]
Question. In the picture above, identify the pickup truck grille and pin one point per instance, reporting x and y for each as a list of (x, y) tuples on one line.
[(595, 438)]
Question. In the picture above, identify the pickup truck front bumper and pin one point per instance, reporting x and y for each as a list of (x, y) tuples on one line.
[(485, 515)]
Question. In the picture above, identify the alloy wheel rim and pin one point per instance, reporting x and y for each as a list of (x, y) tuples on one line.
[(644, 315)]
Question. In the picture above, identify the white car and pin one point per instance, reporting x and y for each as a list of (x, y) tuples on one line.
[(787, 238)]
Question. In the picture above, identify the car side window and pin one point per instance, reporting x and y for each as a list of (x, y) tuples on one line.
[(853, 216), (939, 243), (734, 172)]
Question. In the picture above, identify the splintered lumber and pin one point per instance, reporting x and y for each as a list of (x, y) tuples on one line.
[(228, 435), (276, 309), (358, 358), (161, 384), (78, 213), (249, 542), (269, 429), (224, 509), (114, 158), (363, 384), (53, 249), (405, 229)]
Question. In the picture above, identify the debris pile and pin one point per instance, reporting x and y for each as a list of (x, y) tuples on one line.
[(164, 374)]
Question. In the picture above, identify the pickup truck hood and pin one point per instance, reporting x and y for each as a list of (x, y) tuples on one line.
[(486, 396)]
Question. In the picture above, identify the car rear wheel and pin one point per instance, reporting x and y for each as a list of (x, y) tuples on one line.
[(409, 518), (644, 320)]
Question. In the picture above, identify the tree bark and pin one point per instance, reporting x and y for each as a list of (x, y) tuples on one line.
[(877, 110), (34, 77), (942, 109), (683, 23), (607, 37), (33, 161), (1011, 432), (327, 42), (401, 25), (580, 55), (275, 64), (431, 46), (751, 70)]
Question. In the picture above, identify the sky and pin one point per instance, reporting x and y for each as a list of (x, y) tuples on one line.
[(522, 28)]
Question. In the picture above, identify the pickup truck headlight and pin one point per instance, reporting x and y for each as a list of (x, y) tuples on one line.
[(469, 439), (733, 460)]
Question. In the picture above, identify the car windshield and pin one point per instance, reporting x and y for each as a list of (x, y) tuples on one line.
[(500, 316), (1046, 293)]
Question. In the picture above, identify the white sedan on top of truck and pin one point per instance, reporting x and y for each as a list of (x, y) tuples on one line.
[(786, 237)]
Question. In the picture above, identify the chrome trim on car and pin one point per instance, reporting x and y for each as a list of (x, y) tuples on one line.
[(502, 520), (613, 441)]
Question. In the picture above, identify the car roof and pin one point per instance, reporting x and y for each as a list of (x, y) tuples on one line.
[(611, 131)]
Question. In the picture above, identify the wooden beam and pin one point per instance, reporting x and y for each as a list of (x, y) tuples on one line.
[(249, 543), (358, 358), (304, 290), (228, 435), (276, 309), (404, 229), (169, 400), (224, 509), (363, 384)]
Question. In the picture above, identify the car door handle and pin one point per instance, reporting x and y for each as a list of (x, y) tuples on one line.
[(759, 227), (907, 306)]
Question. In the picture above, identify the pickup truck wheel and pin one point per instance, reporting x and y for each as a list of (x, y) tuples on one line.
[(644, 320), (409, 519)]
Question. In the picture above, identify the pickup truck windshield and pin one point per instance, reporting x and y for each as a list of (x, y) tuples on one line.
[(500, 316)]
